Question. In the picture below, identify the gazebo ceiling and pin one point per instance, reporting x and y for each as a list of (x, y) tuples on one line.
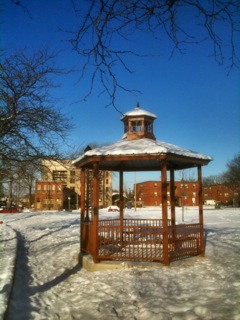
[(141, 155)]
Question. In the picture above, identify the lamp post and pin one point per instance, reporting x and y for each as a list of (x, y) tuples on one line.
[(69, 198), (77, 200), (10, 180), (49, 196)]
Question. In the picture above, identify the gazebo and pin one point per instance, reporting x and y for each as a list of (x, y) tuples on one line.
[(158, 240)]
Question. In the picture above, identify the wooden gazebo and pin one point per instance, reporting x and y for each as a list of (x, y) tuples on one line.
[(139, 239)]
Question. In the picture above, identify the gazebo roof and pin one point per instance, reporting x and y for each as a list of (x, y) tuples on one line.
[(141, 155)]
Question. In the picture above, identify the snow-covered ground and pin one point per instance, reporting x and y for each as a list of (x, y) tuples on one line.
[(49, 284)]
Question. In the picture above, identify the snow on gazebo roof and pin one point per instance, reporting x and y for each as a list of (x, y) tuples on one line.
[(142, 147)]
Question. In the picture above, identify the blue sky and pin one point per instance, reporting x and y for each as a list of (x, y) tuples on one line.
[(196, 102)]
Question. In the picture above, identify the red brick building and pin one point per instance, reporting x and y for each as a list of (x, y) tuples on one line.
[(220, 193), (48, 195), (148, 193)]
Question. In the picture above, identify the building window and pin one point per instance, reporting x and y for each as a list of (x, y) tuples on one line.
[(148, 126), (72, 176), (136, 126), (59, 175)]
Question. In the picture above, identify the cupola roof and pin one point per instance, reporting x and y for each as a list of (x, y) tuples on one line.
[(137, 111)]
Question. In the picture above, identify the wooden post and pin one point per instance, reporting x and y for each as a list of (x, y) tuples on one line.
[(82, 231), (200, 200), (87, 195), (82, 180), (172, 195), (165, 212), (95, 211), (172, 199), (121, 205)]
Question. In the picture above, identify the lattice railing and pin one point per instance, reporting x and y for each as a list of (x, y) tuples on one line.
[(142, 240)]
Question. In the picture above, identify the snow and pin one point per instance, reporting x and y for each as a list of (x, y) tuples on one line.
[(49, 283), (138, 112), (140, 147)]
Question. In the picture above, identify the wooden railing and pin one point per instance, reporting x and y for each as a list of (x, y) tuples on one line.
[(141, 240), (184, 241)]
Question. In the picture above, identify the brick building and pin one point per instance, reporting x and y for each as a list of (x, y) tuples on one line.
[(48, 195), (60, 186), (148, 193), (221, 193)]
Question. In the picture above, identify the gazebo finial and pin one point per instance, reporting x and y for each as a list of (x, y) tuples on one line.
[(138, 105)]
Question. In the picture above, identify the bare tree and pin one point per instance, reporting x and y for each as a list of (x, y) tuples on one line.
[(24, 181), (107, 28), (31, 127), (232, 175), (213, 180), (186, 175)]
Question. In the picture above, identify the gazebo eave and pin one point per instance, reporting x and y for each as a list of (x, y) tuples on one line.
[(140, 162)]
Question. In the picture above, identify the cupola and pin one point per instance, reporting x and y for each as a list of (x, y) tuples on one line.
[(138, 124)]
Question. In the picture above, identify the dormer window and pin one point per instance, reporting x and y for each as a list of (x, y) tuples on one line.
[(136, 126)]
